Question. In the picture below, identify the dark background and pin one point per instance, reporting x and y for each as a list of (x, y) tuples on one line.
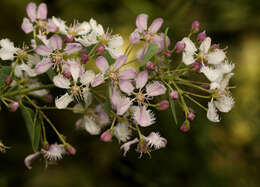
[(226, 155)]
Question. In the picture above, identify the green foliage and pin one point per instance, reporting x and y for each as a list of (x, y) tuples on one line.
[(4, 72), (173, 110), (151, 51)]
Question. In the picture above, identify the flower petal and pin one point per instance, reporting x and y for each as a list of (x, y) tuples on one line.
[(156, 25), (141, 79), (143, 116), (75, 68), (119, 62), (61, 82), (102, 64), (99, 79), (72, 48), (212, 113), (31, 10), (128, 73), (205, 45), (43, 50), (216, 57), (55, 42), (43, 66), (126, 86), (30, 158), (141, 22), (27, 26), (225, 103), (134, 37), (42, 11), (87, 77), (189, 45), (156, 88), (63, 101), (123, 105)]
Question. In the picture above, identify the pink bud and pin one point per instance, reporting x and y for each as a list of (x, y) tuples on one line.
[(67, 74), (70, 149), (100, 49), (185, 127), (8, 80), (150, 66), (168, 53), (196, 66), (49, 98), (215, 46), (13, 106), (84, 57), (106, 136), (180, 46), (201, 36), (191, 115), (69, 39), (163, 105), (174, 95), (195, 26)]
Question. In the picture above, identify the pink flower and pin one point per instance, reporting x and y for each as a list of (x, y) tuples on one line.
[(126, 146), (155, 140)]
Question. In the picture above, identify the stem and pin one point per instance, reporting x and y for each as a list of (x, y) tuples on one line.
[(196, 95), (139, 132), (196, 102), (192, 85), (68, 108), (15, 64), (113, 123), (26, 90)]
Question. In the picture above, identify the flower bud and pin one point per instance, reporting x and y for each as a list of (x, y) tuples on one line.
[(168, 53), (215, 46), (174, 95), (13, 106), (196, 66), (201, 36), (163, 105), (69, 39), (150, 66), (70, 149), (8, 80), (185, 127), (84, 57), (195, 26), (49, 98), (191, 115), (106, 136), (100, 49), (180, 46), (67, 74)]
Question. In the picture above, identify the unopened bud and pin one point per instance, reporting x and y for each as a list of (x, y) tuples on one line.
[(196, 66), (201, 36), (67, 74), (100, 49), (215, 46), (195, 26), (70, 149), (13, 106), (84, 57), (191, 115), (49, 98), (69, 39), (8, 80), (106, 136), (185, 127), (180, 46), (168, 53), (174, 95), (163, 105), (150, 66)]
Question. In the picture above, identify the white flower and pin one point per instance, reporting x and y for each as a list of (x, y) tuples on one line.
[(155, 140), (224, 103), (143, 116), (126, 146), (189, 51), (54, 152), (212, 113), (122, 132), (7, 50), (212, 74), (90, 125), (63, 101)]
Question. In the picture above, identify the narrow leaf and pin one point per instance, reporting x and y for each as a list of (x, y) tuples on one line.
[(173, 111), (151, 51), (4, 72)]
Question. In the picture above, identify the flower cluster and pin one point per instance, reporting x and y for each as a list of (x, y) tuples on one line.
[(96, 80)]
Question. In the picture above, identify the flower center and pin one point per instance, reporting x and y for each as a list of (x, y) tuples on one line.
[(75, 90), (57, 57), (140, 97), (114, 75)]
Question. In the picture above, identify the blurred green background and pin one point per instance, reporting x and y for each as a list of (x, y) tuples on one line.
[(223, 155)]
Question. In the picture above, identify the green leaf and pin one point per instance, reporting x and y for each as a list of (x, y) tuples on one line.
[(109, 58), (173, 111), (4, 72), (51, 73), (151, 51), (33, 126)]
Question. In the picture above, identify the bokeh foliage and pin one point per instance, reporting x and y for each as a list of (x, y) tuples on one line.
[(227, 154)]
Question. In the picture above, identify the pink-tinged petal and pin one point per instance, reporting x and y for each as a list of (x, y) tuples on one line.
[(99, 79), (61, 82), (63, 101), (119, 62), (115, 97), (55, 42), (141, 22), (156, 88), (75, 70), (126, 86), (143, 116), (43, 50), (134, 37), (156, 25), (141, 79), (30, 158), (43, 66), (159, 40), (123, 106), (128, 73), (31, 10), (102, 64), (126, 146), (27, 26), (72, 48), (42, 11), (51, 26)]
